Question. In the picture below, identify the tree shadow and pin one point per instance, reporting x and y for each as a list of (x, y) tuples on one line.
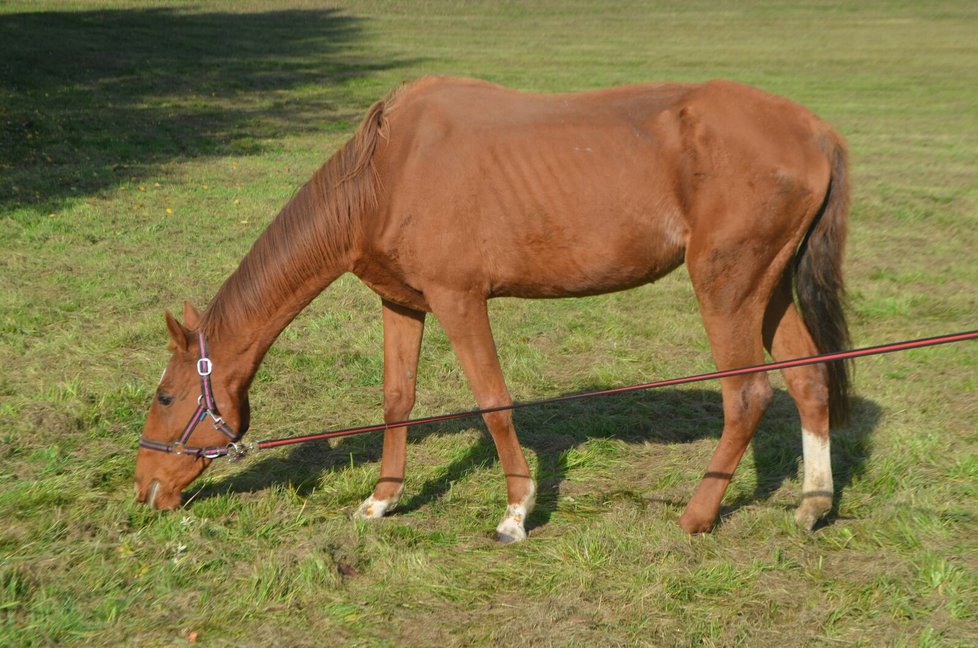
[(90, 99), (666, 416)]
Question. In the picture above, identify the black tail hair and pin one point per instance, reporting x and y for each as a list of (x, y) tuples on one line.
[(819, 284)]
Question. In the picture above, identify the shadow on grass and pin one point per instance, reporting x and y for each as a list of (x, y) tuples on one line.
[(90, 99), (667, 416)]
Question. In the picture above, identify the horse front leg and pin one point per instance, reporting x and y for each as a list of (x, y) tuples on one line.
[(465, 319), (403, 330)]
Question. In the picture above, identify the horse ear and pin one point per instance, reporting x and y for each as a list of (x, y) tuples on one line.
[(179, 334), (191, 318)]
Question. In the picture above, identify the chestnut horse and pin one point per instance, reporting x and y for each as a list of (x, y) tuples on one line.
[(453, 191)]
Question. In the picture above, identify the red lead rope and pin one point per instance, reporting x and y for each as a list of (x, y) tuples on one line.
[(785, 364)]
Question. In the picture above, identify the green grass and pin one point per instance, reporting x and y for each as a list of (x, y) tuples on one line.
[(144, 146)]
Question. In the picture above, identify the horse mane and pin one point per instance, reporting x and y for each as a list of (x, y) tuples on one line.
[(313, 231)]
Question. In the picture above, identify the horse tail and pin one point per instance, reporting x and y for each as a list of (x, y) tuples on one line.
[(818, 279)]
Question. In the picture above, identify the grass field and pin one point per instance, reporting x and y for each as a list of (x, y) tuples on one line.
[(144, 146)]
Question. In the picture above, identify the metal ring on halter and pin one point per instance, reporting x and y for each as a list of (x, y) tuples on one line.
[(205, 407), (237, 451)]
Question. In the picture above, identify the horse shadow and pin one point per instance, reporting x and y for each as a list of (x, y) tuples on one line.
[(551, 431)]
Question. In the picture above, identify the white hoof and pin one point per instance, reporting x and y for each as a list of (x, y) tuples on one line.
[(374, 509), (513, 526)]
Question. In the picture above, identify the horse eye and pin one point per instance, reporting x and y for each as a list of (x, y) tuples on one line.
[(164, 399)]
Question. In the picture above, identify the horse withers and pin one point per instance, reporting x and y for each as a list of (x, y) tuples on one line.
[(453, 191)]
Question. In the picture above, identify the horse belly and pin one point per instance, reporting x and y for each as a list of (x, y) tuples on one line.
[(593, 220), (613, 254)]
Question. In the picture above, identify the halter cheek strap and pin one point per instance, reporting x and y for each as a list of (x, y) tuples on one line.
[(206, 408)]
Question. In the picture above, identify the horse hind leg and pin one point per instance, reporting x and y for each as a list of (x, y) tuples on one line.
[(733, 289), (745, 399), (786, 337), (403, 331)]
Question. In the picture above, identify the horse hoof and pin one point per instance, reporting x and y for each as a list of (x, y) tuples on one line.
[(508, 534), (811, 511), (373, 509), (511, 529), (693, 524), (505, 538)]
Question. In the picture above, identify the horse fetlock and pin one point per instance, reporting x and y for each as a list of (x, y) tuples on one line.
[(512, 528), (817, 488), (374, 509)]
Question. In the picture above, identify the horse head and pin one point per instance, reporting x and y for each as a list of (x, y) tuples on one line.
[(200, 407)]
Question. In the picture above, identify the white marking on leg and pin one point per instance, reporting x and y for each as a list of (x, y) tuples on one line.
[(816, 490), (818, 464), (512, 528), (374, 509)]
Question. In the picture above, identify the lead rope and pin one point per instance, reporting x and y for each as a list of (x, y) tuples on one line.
[(236, 450)]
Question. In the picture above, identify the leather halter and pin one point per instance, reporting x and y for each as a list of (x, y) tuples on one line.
[(206, 408)]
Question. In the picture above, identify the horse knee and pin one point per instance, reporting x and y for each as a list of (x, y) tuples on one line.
[(498, 421), (398, 404)]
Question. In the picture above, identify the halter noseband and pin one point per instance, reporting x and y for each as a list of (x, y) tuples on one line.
[(206, 407)]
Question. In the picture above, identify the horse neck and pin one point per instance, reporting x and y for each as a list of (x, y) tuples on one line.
[(306, 247), (311, 242)]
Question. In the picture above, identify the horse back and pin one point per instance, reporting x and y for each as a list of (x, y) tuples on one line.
[(536, 195)]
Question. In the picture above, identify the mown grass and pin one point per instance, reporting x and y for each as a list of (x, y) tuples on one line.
[(143, 147)]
